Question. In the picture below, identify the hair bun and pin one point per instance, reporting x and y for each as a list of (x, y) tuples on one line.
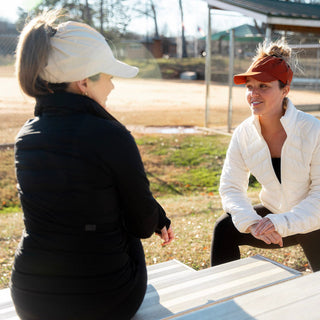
[(279, 51)]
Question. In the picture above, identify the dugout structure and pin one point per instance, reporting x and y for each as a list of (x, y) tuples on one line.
[(277, 15)]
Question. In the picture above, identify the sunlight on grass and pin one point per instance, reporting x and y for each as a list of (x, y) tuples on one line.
[(184, 164)]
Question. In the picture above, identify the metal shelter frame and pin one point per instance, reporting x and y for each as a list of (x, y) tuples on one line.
[(276, 14)]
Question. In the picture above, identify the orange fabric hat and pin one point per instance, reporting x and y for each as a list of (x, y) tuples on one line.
[(266, 69)]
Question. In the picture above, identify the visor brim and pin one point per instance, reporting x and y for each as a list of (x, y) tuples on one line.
[(260, 76)]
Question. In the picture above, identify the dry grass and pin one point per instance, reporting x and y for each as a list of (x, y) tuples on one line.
[(193, 218), (8, 191), (10, 233), (10, 126)]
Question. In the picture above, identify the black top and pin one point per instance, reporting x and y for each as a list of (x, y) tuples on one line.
[(84, 194), (276, 163)]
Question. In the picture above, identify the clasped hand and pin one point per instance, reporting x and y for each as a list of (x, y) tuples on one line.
[(264, 230)]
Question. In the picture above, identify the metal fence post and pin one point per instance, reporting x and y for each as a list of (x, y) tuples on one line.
[(208, 68), (231, 67)]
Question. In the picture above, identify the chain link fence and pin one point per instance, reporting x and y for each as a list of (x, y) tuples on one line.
[(8, 44)]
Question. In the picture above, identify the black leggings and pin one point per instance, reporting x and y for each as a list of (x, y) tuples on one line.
[(227, 239)]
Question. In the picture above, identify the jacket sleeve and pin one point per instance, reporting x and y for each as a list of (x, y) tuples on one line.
[(233, 188), (142, 214), (305, 216)]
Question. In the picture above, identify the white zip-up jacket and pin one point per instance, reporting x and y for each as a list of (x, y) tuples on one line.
[(295, 202)]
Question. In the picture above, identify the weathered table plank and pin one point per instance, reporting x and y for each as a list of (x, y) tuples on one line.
[(216, 284), (298, 299)]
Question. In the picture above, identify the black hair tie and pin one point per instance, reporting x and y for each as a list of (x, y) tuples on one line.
[(51, 31)]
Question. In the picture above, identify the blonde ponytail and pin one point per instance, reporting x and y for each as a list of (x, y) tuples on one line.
[(33, 51)]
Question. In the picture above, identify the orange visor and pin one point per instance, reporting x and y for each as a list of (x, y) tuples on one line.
[(266, 69)]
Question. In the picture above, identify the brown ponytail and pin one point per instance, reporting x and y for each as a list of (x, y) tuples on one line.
[(32, 53)]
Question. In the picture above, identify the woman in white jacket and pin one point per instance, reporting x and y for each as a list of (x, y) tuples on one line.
[(280, 147)]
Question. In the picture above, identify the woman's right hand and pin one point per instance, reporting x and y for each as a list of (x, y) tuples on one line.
[(268, 238), (167, 235)]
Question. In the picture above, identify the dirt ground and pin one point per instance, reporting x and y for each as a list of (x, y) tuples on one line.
[(145, 102)]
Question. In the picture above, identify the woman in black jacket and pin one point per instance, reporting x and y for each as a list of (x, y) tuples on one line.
[(83, 189)]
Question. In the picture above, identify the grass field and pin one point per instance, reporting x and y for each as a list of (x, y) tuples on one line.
[(184, 172)]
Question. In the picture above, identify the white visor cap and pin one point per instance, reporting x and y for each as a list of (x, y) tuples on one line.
[(78, 52)]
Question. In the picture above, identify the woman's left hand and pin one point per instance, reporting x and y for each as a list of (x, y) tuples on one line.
[(167, 235), (265, 226)]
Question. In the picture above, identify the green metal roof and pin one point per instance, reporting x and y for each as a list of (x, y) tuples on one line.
[(243, 33), (275, 8)]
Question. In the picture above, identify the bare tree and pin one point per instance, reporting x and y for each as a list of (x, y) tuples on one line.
[(113, 15), (149, 10), (110, 17), (101, 15), (183, 39), (76, 9), (154, 15)]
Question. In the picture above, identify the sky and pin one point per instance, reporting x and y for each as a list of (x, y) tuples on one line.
[(168, 15)]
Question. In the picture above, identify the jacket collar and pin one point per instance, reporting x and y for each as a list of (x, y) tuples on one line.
[(290, 116), (66, 103), (286, 120)]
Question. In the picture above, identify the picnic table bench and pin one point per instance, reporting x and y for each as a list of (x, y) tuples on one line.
[(176, 291)]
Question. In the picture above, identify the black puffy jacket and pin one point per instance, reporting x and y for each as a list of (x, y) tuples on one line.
[(84, 194)]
